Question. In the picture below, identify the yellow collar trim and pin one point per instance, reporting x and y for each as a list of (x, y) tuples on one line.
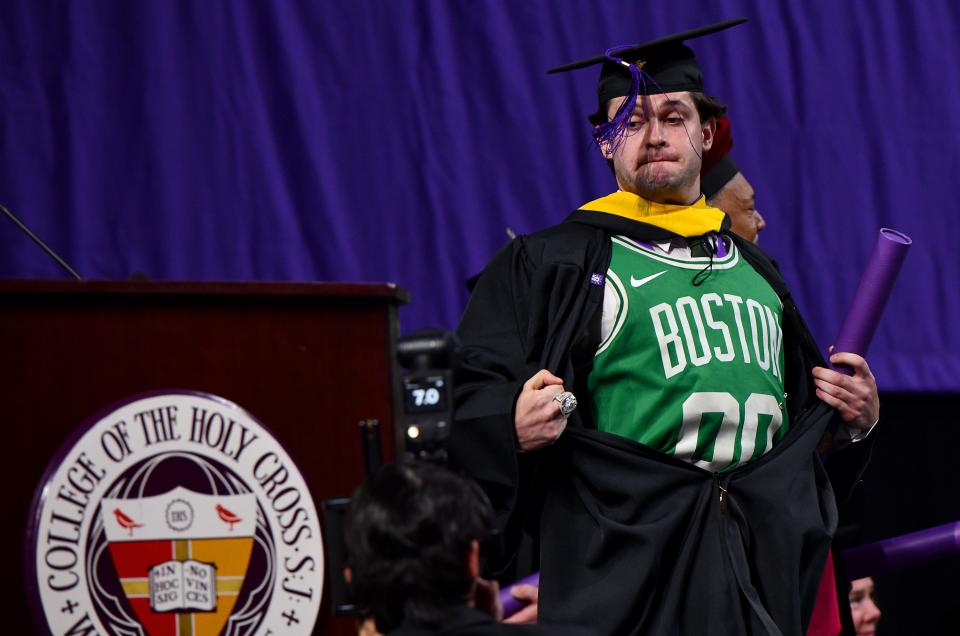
[(685, 220)]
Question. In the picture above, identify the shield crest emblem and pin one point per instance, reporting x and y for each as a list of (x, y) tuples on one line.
[(181, 557)]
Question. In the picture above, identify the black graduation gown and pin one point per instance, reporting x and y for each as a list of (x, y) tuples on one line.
[(465, 621), (634, 541)]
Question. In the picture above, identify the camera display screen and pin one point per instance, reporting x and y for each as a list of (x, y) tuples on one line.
[(425, 394)]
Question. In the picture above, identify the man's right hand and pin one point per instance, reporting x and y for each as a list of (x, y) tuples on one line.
[(537, 418)]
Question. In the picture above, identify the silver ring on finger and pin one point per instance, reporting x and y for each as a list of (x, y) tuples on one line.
[(567, 402)]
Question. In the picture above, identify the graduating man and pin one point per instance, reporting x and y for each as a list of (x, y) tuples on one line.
[(640, 381)]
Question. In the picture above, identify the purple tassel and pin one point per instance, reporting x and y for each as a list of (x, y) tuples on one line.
[(611, 133)]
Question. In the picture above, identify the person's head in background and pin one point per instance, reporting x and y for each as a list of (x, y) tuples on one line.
[(863, 606), (726, 188), (413, 533)]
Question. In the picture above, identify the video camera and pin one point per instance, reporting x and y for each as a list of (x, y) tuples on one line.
[(424, 415), (423, 426)]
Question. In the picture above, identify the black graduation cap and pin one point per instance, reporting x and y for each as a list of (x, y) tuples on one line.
[(666, 65)]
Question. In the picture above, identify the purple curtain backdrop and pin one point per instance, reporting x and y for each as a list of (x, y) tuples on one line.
[(375, 140)]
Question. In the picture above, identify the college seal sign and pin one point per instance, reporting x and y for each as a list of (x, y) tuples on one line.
[(175, 514)]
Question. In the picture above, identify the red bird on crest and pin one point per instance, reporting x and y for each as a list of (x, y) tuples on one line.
[(228, 516), (125, 521)]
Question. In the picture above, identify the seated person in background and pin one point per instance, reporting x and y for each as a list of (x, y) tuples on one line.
[(413, 536), (863, 606)]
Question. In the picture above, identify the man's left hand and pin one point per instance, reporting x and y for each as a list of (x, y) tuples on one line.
[(855, 397)]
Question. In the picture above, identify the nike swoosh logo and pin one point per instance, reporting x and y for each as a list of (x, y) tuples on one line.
[(643, 281)]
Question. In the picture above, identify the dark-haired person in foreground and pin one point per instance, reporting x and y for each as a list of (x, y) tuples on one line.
[(413, 535), (639, 381)]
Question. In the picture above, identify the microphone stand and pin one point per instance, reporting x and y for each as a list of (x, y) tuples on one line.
[(36, 239)]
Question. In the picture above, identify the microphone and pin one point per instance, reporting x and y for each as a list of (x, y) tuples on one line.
[(23, 228)]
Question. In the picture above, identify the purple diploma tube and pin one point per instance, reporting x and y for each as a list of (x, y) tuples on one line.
[(511, 605), (904, 551), (868, 302)]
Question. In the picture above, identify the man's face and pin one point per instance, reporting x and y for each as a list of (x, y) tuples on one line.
[(863, 609), (660, 155), (736, 198)]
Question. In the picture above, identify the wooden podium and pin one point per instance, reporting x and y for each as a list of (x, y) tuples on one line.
[(310, 361)]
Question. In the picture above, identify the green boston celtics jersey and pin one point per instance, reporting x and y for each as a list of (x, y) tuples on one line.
[(695, 371)]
